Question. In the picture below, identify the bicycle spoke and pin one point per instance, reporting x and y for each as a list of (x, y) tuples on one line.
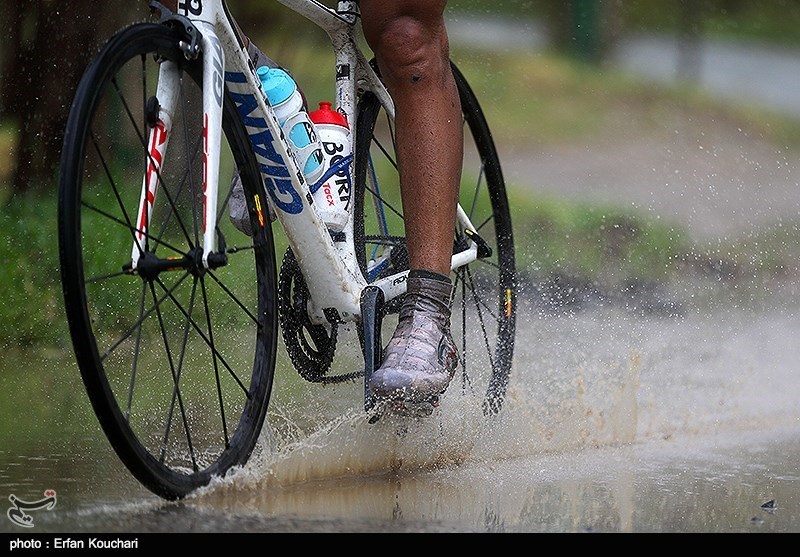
[(113, 185), (478, 304), (136, 352), (151, 161), (144, 351), (116, 220), (478, 188), (379, 212), (142, 142), (188, 166), (214, 358), (144, 88), (385, 152), (485, 350), (205, 339), (474, 291), (484, 223), (465, 379), (488, 263), (376, 195), (233, 297), (100, 278), (141, 319), (390, 125), (168, 217), (176, 391)]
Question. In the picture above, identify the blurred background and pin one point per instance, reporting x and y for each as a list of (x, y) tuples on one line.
[(46, 46), (650, 149), (571, 88)]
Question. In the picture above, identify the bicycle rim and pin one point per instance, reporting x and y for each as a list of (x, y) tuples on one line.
[(484, 308), (178, 364)]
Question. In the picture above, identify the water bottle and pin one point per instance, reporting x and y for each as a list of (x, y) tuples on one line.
[(287, 102), (333, 196)]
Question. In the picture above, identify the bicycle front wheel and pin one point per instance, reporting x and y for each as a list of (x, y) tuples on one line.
[(484, 307), (177, 359)]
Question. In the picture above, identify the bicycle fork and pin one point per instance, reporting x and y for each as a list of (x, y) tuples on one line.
[(161, 111)]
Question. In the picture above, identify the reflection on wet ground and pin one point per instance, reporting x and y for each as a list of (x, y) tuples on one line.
[(687, 485)]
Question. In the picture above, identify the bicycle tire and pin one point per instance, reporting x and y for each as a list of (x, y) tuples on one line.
[(178, 364), (485, 290)]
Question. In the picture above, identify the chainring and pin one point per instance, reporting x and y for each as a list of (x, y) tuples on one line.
[(311, 347)]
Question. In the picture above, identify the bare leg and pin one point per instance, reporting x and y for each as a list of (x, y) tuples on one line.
[(410, 44), (411, 47)]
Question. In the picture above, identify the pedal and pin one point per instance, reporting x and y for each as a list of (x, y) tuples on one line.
[(404, 409)]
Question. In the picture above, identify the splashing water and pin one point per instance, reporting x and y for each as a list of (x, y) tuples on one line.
[(604, 378)]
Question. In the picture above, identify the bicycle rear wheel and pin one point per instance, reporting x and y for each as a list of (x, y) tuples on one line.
[(484, 307), (177, 360)]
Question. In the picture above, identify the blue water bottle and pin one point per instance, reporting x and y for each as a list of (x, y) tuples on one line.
[(287, 102)]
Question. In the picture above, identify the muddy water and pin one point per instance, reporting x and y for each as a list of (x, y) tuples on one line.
[(616, 422)]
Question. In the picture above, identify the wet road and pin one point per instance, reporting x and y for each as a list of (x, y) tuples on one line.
[(615, 423)]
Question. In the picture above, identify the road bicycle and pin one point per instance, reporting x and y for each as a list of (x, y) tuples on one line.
[(174, 313)]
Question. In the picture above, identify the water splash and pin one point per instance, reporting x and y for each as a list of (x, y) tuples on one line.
[(579, 383)]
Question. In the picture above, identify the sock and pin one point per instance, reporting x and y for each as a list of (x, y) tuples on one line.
[(426, 274)]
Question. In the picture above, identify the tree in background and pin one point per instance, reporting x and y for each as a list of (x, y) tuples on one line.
[(47, 44), (586, 29), (46, 47), (44, 51)]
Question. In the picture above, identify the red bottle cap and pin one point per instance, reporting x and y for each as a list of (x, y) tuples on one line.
[(325, 115)]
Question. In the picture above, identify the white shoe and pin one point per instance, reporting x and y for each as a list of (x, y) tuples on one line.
[(421, 358)]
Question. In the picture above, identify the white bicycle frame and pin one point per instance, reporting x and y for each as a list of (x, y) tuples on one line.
[(330, 269)]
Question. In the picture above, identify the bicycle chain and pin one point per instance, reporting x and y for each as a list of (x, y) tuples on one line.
[(310, 347)]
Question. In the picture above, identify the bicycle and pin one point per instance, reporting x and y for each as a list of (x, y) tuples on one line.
[(174, 314)]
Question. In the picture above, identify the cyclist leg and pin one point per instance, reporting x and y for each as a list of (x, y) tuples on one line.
[(410, 43)]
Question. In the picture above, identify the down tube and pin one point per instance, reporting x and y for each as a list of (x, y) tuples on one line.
[(327, 276)]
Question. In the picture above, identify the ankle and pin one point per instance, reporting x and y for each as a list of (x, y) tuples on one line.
[(428, 274)]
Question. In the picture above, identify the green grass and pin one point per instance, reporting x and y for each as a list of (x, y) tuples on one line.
[(549, 98), (598, 243), (31, 310)]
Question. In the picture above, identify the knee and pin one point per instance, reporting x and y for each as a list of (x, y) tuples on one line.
[(410, 50)]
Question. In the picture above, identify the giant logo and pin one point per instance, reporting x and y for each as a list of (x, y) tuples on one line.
[(273, 166), (217, 70)]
